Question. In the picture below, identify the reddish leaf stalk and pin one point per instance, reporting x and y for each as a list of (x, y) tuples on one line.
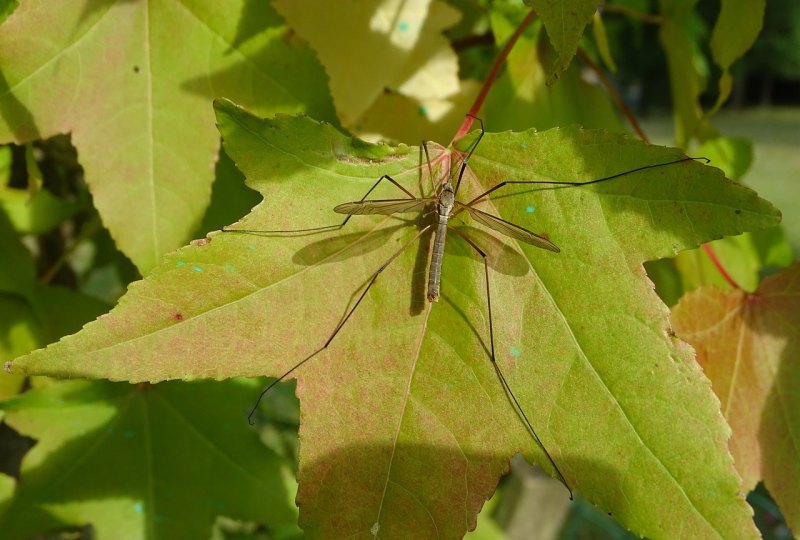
[(487, 84), (620, 104), (612, 91), (711, 255)]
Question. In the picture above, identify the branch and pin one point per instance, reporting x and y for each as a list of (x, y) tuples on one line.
[(492, 76), (612, 91)]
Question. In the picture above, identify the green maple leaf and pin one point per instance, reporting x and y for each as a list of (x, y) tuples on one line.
[(405, 426), (175, 461), (521, 99), (565, 21), (132, 82)]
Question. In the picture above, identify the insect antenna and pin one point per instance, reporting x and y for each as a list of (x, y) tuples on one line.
[(557, 183)]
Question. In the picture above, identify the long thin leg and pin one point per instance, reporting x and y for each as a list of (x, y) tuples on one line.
[(469, 154), (598, 180), (338, 326), (500, 375), (430, 167), (326, 227)]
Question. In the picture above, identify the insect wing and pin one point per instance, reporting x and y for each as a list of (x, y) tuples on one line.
[(509, 229), (386, 206)]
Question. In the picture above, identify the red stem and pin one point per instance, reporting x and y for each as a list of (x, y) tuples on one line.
[(719, 267), (487, 84), (614, 95)]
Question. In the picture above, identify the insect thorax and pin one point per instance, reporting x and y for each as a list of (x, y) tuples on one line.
[(447, 199)]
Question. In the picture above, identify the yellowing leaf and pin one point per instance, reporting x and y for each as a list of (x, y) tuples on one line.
[(132, 82), (405, 428), (368, 47), (749, 346), (399, 118), (601, 39)]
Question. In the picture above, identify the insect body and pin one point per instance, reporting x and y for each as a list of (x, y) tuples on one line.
[(447, 200)]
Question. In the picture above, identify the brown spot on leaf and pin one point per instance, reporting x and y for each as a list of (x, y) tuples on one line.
[(349, 158), (179, 316), (136, 69), (201, 241)]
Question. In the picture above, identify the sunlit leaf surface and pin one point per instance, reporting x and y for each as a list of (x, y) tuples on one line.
[(132, 82), (405, 425), (749, 346)]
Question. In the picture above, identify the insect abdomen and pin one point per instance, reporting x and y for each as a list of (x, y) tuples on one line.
[(435, 273)]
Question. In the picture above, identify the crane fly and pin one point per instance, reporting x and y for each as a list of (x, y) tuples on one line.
[(445, 205)]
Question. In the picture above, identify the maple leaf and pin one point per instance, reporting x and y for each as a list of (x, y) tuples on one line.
[(565, 21), (748, 345), (369, 48), (521, 99), (161, 445), (131, 82), (405, 426), (104, 452)]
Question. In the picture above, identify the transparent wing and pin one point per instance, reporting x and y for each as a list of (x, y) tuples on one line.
[(509, 229), (385, 206)]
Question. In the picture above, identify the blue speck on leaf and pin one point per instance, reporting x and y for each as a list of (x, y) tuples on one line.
[(230, 268), (422, 111), (197, 268), (138, 507), (515, 351), (180, 263), (129, 433), (402, 26), (531, 209), (251, 247)]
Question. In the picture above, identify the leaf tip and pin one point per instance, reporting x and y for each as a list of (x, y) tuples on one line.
[(222, 103)]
